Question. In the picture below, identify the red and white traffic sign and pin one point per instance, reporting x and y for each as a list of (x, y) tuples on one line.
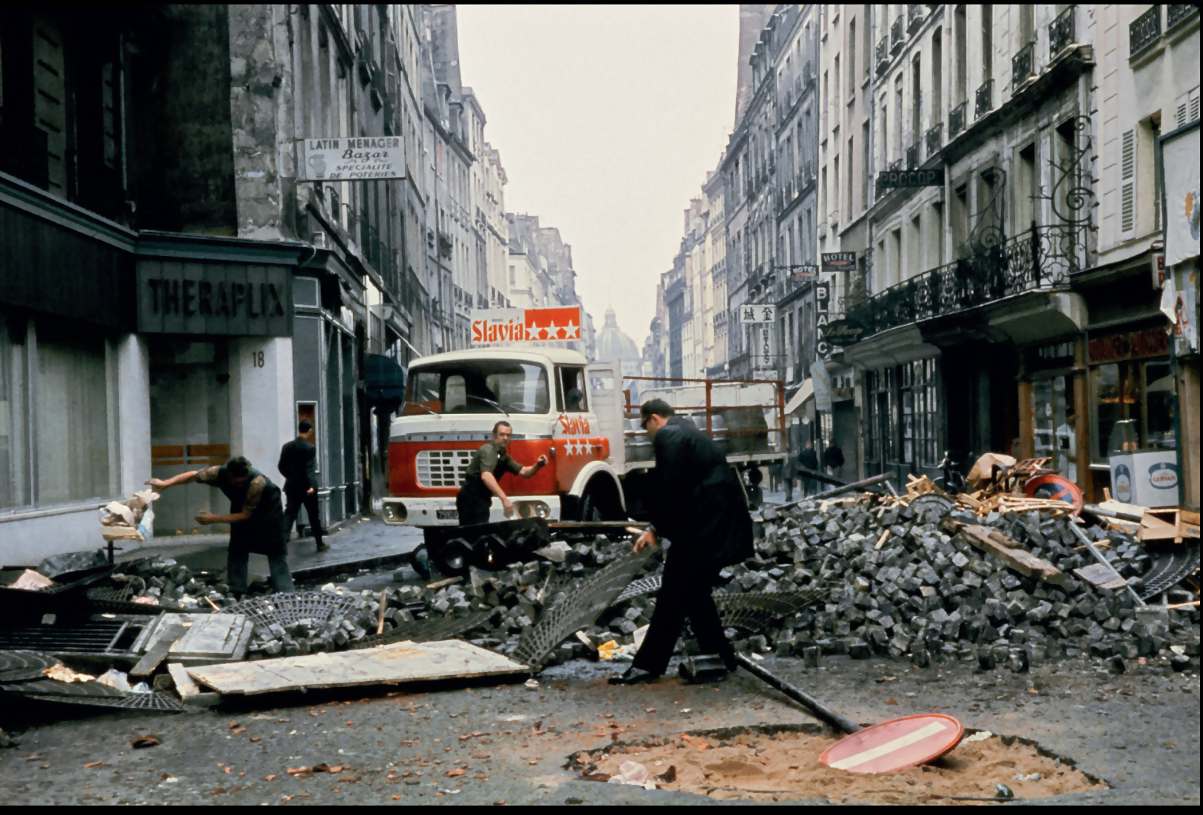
[(895, 745)]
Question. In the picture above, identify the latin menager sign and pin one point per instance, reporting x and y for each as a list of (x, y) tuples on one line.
[(366, 158)]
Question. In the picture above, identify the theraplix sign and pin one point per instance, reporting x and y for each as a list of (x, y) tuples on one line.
[(367, 158), (525, 324)]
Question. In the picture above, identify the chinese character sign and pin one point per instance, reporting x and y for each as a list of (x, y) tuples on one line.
[(757, 315)]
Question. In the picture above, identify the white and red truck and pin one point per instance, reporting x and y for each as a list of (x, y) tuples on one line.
[(579, 413)]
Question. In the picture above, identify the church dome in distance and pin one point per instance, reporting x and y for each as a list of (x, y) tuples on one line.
[(612, 344)]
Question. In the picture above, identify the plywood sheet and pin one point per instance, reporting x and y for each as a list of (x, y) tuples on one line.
[(386, 664)]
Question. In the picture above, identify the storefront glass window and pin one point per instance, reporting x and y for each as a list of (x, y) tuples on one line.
[(1117, 396), (1056, 424), (1159, 405), (14, 414), (74, 433)]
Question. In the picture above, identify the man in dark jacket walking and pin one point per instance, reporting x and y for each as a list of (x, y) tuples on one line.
[(699, 506), (808, 459), (833, 459), (298, 466)]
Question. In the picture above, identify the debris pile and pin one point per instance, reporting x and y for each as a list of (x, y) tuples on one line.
[(909, 583)]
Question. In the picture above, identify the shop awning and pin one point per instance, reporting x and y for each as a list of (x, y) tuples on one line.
[(806, 391), (383, 377)]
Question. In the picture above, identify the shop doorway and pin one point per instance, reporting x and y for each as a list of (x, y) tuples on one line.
[(189, 428)]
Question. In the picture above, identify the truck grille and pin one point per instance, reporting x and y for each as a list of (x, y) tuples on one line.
[(442, 468)]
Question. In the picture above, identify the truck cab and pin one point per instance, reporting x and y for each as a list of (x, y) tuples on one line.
[(452, 403)]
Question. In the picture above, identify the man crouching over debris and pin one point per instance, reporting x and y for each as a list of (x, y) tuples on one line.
[(699, 506), (256, 519)]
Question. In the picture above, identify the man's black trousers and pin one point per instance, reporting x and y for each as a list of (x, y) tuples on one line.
[(293, 512), (684, 593)]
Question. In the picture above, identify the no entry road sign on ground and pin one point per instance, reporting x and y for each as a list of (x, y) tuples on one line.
[(895, 745)]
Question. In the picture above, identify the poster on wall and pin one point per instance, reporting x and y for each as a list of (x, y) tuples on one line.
[(1180, 151), (822, 381)]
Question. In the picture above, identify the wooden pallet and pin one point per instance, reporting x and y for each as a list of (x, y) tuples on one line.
[(1170, 524)]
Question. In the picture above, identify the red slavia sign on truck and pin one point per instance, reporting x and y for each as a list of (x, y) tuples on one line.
[(555, 400)]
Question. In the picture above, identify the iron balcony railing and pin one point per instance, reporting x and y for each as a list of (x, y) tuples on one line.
[(1144, 31), (896, 164), (912, 156), (897, 34), (933, 139), (883, 55), (1023, 65), (1061, 32), (1041, 258), (914, 17), (1177, 13), (983, 100), (956, 120)]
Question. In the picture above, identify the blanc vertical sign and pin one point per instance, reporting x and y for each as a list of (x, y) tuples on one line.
[(368, 158), (822, 317)]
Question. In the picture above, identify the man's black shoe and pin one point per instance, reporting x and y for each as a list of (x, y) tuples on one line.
[(632, 676), (323, 547), (706, 668)]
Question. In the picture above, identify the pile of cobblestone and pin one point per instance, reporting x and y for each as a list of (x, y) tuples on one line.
[(929, 594)]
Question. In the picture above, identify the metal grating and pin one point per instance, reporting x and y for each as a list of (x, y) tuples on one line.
[(442, 468), (1169, 569), (290, 606), (439, 628), (131, 701), (640, 587), (757, 609), (53, 687), (579, 609), (22, 666), (104, 637), (120, 601)]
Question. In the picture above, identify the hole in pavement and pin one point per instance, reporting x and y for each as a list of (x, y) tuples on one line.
[(781, 762)]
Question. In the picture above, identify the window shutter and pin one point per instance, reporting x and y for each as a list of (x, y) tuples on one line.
[(1127, 186), (1187, 109)]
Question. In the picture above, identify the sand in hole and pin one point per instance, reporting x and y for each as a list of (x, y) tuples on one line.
[(786, 766)]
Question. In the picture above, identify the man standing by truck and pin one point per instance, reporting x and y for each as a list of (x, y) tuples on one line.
[(256, 519), (489, 463), (698, 504)]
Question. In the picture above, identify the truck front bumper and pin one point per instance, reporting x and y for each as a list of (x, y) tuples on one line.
[(442, 511)]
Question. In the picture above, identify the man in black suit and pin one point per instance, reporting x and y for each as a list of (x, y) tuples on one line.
[(698, 504), (298, 466)]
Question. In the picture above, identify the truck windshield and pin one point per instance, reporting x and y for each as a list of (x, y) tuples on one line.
[(479, 386)]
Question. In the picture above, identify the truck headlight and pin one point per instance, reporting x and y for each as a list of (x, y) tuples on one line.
[(394, 512)]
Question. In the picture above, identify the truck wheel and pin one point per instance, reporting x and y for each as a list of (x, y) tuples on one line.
[(594, 507)]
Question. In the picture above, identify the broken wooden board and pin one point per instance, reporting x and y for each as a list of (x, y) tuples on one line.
[(168, 636), (190, 693), (1103, 577), (1160, 524), (384, 665), (209, 638), (1007, 550)]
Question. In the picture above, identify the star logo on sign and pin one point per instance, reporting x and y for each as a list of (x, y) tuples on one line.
[(551, 331), (574, 332)]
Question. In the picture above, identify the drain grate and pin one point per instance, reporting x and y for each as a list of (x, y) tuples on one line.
[(579, 609), (95, 637), (129, 701), (1169, 569), (22, 666), (638, 588), (291, 606), (757, 609), (440, 628)]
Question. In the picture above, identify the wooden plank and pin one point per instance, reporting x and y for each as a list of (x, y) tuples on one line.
[(190, 693), (1007, 550), (387, 664), (158, 650), (1104, 577)]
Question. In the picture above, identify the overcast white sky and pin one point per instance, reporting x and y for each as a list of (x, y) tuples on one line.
[(607, 119)]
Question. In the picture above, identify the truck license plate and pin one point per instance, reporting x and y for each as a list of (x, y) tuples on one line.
[(446, 514)]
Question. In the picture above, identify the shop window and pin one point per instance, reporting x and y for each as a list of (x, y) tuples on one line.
[(1139, 391), (1056, 424), (56, 389)]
